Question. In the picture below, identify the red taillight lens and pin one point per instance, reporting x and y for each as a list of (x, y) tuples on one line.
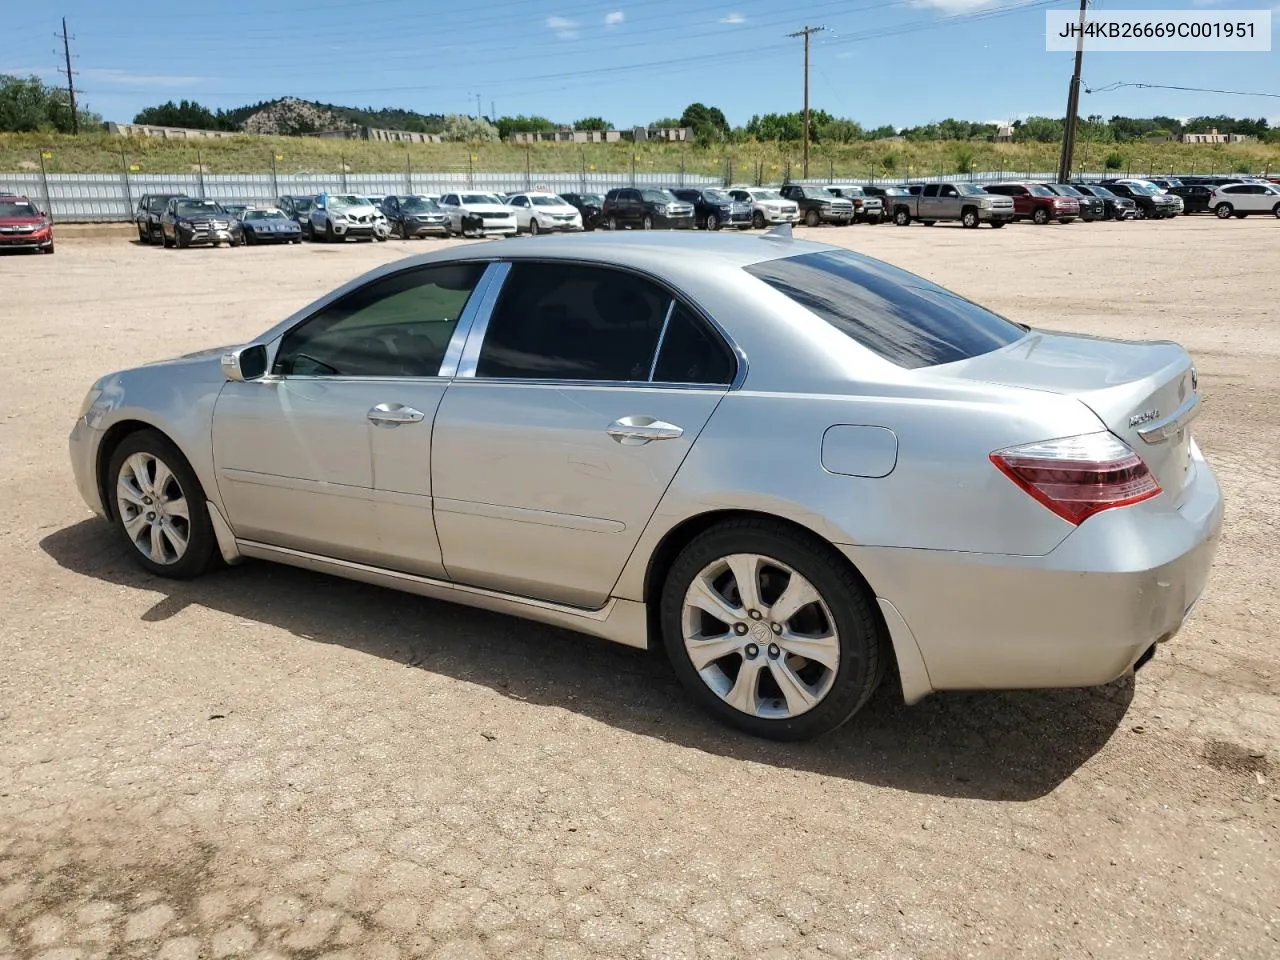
[(1076, 477)]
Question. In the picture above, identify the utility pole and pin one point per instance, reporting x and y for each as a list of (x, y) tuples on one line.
[(1073, 106), (807, 32), (479, 109), (71, 83)]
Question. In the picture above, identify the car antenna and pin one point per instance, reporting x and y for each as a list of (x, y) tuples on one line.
[(781, 232)]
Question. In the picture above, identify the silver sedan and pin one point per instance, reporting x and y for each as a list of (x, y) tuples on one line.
[(797, 468)]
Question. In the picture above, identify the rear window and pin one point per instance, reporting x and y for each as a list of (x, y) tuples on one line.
[(900, 317)]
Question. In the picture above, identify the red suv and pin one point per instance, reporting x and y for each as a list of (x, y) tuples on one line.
[(23, 225), (1036, 202)]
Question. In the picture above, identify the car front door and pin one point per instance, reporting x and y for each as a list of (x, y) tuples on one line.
[(573, 408), (330, 453), (523, 210), (949, 201)]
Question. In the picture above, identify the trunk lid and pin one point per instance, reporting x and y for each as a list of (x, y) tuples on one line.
[(1131, 387)]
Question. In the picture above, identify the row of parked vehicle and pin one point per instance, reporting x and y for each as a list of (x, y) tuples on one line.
[(177, 220)]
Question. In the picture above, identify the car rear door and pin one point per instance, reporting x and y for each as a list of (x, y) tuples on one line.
[(574, 406), (930, 202), (330, 454)]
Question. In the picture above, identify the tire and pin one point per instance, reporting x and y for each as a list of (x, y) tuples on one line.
[(1276, 211), (611, 223), (646, 223), (901, 217), (811, 218), (712, 222), (329, 235), (1223, 211), (997, 224), (843, 604), (969, 218), (141, 451), (757, 220), (533, 226), (179, 242), (247, 238), (1139, 212), (144, 236), (1241, 216), (1066, 219), (49, 248), (928, 223), (1041, 216)]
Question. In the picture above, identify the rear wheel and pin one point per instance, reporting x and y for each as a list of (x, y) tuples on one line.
[(611, 223), (647, 222), (757, 220), (901, 218), (1140, 213), (159, 506), (533, 227), (771, 631)]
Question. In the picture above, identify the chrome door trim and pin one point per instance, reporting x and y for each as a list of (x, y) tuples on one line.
[(1173, 424), (621, 621), (469, 355), (490, 280)]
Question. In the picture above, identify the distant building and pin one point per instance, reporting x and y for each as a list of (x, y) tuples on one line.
[(166, 133), (570, 135), (346, 133), (1004, 133), (1213, 136)]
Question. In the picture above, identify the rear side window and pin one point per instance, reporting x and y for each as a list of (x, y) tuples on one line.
[(900, 317)]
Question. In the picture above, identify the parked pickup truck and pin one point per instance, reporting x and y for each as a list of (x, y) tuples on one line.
[(866, 207), (817, 206), (966, 202)]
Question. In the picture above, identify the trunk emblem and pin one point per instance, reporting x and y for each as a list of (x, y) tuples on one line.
[(1146, 416)]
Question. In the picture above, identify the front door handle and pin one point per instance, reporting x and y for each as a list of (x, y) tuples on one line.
[(394, 414), (632, 431)]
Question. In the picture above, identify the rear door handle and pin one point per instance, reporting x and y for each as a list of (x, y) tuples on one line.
[(394, 414), (632, 431)]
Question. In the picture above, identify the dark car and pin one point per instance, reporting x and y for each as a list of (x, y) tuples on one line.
[(867, 207), (147, 215), (589, 205), (23, 225), (187, 222), (1116, 206), (268, 225), (817, 205), (235, 209), (647, 208), (413, 217), (1036, 202), (298, 209), (886, 195), (1150, 203), (1091, 208), (713, 208), (1195, 196)]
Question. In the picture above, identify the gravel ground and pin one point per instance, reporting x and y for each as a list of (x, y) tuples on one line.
[(273, 763)]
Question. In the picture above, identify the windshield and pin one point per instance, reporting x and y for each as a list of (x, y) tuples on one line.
[(659, 196), (847, 191), (814, 193), (271, 214), (765, 194), (196, 208), (1067, 190), (157, 204), (969, 189), (546, 201), (21, 208), (716, 196), (1103, 192), (418, 205), (480, 198), (1146, 189), (901, 317), (590, 199), (1039, 190), (346, 200)]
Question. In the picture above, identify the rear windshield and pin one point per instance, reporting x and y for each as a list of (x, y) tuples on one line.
[(902, 318)]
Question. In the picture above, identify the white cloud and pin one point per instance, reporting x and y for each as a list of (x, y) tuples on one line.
[(955, 6), (734, 19), (564, 28), (614, 18)]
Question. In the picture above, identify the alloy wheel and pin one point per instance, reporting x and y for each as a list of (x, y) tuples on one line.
[(760, 636), (153, 508)]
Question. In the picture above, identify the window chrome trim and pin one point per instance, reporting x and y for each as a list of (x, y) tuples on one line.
[(492, 277), (662, 335), (590, 384), (470, 355)]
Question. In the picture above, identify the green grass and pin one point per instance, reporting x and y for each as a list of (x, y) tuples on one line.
[(104, 153)]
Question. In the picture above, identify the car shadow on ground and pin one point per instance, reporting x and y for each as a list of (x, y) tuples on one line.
[(982, 745)]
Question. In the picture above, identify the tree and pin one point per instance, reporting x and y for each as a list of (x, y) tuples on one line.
[(787, 126), (708, 123), (468, 129), (28, 105), (592, 123), (522, 124), (839, 131), (665, 122), (187, 114)]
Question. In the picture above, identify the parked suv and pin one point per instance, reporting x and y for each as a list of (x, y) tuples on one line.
[(767, 206), (1116, 206), (412, 216), (341, 215), (23, 225), (1194, 196), (540, 212), (588, 205), (147, 215), (647, 208), (817, 206), (967, 202), (479, 215), (187, 222), (1151, 202), (713, 208), (867, 207), (1241, 199), (1091, 208), (298, 209), (1036, 202)]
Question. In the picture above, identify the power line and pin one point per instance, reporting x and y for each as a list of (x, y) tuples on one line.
[(1164, 86)]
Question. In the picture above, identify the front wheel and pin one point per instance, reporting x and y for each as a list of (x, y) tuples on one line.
[(1140, 213), (534, 229), (646, 223), (757, 220), (771, 630), (1223, 211), (712, 222), (997, 224), (811, 218), (970, 219), (1276, 210), (611, 223), (330, 236), (1041, 216), (159, 506)]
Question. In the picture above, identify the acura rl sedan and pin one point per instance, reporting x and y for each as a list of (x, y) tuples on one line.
[(796, 468)]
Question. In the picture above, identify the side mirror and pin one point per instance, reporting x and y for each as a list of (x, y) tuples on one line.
[(245, 363)]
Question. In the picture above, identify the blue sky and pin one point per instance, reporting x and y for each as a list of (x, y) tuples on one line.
[(903, 62)]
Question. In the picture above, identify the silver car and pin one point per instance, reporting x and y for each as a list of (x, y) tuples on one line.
[(796, 467)]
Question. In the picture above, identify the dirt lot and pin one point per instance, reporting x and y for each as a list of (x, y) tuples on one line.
[(276, 764)]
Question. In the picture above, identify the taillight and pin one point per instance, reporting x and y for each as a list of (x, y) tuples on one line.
[(1076, 477)]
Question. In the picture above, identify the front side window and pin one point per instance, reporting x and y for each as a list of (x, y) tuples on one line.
[(397, 326), (900, 317), (931, 190), (564, 321)]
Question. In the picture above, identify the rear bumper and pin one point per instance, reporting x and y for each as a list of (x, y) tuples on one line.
[(1080, 616)]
